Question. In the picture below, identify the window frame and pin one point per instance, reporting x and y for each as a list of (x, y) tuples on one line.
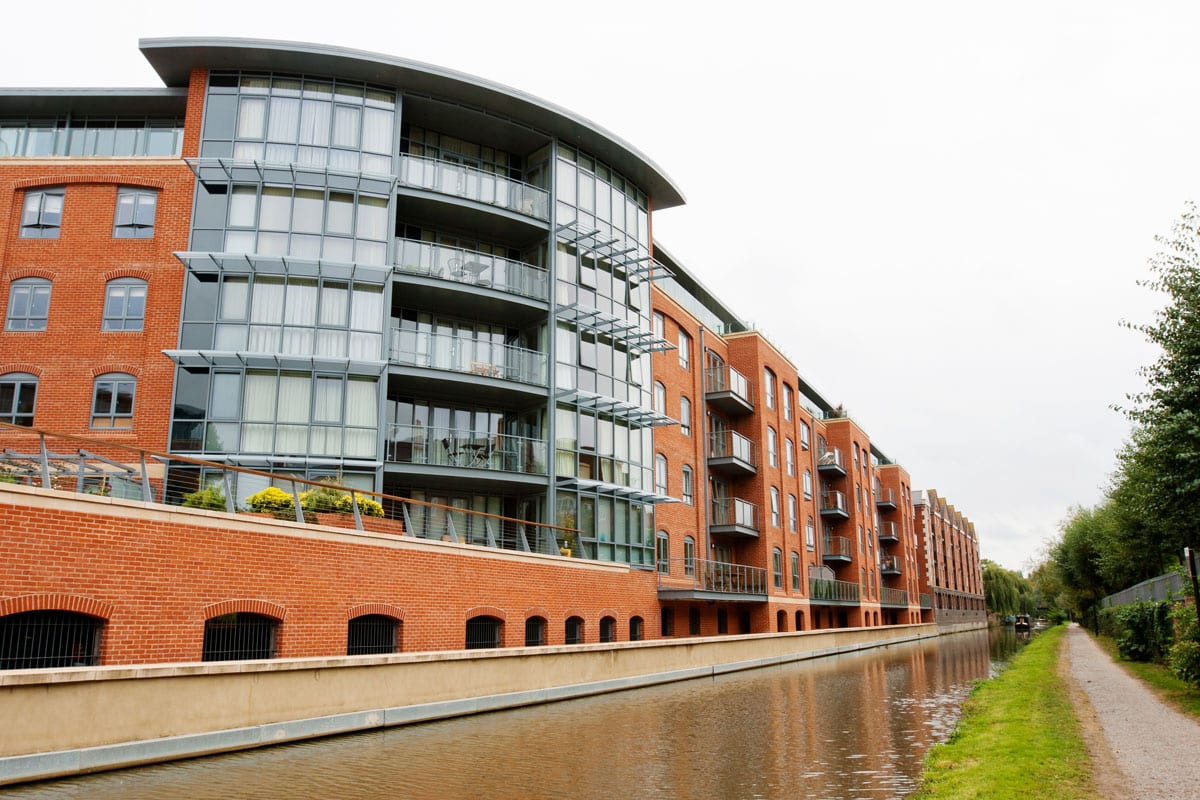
[(41, 222), (660, 473), (775, 510), (113, 415), (777, 567), (31, 320), (685, 350), (685, 415), (688, 487), (13, 414), (123, 322), (772, 447), (132, 224), (769, 387)]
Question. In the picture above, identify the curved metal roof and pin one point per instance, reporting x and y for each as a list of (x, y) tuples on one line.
[(174, 58)]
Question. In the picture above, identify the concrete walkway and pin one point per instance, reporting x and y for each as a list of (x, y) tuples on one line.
[(1155, 750)]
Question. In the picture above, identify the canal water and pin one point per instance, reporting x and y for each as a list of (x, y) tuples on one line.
[(852, 726)]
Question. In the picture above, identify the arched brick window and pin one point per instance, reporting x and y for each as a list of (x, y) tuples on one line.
[(49, 640)]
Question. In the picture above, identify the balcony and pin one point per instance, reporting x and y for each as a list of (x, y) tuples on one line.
[(712, 580), (470, 183), (728, 391), (732, 515), (416, 259), (837, 549), (447, 457), (486, 367), (731, 453), (889, 565), (926, 601), (831, 462), (833, 504), (888, 533), (825, 591), (885, 500), (895, 598)]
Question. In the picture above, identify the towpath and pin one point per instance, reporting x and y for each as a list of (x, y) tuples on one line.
[(1141, 747)]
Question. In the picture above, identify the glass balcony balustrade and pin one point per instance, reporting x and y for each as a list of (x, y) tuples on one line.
[(833, 504), (888, 532), (471, 267), (885, 499), (452, 447), (728, 390), (729, 451), (893, 597), (468, 356), (826, 590), (714, 576), (890, 565), (471, 183), (831, 462), (734, 513)]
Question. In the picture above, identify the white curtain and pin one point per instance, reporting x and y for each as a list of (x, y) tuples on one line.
[(285, 119), (295, 393), (266, 308), (252, 117), (258, 411), (314, 123), (362, 406), (377, 131), (299, 317), (243, 206), (346, 121)]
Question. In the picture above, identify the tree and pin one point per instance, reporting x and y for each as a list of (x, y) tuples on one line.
[(1163, 462), (1005, 591)]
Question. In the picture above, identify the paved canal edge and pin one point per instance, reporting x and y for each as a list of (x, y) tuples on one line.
[(143, 715)]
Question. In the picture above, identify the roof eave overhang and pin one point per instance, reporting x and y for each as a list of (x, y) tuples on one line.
[(174, 59)]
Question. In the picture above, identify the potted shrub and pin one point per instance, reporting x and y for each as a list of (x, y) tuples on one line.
[(275, 502), (210, 497)]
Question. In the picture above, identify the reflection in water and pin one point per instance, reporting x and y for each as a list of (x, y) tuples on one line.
[(855, 726)]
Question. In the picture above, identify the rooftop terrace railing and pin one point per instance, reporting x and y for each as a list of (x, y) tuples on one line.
[(719, 576), (832, 591), (65, 462)]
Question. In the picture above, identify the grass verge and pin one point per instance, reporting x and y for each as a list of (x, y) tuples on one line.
[(1173, 691), (1018, 737)]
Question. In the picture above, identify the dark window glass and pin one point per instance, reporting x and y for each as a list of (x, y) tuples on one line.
[(239, 636)]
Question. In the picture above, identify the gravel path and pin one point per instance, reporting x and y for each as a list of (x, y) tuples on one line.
[(1156, 749)]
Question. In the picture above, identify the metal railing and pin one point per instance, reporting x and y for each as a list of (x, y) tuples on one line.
[(1155, 590), (833, 591), (731, 444), (718, 576), (734, 511), (452, 447), (475, 184), (728, 379), (65, 462), (469, 356), (885, 497), (833, 500), (890, 564), (831, 458), (888, 532), (893, 597), (471, 267), (839, 546)]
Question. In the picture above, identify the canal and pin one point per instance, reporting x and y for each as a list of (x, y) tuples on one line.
[(852, 726)]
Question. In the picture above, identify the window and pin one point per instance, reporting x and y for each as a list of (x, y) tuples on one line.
[(810, 534), (112, 401), (660, 326), (238, 636), (793, 516), (483, 632), (135, 213), (787, 402), (808, 484), (804, 435), (796, 575), (574, 630), (688, 486), (28, 305), (608, 629), (772, 447), (693, 621), (660, 473), (18, 390), (769, 387), (663, 552), (685, 350), (775, 506), (789, 453), (667, 622), (41, 216), (49, 640), (535, 632), (635, 629), (689, 556), (372, 634), (685, 416), (777, 567), (124, 305), (660, 397)]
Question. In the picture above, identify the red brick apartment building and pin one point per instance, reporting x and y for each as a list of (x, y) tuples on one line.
[(949, 555), (334, 265)]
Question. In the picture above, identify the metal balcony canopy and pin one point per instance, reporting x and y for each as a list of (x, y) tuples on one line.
[(620, 409), (174, 59), (253, 263), (630, 334), (615, 490), (209, 170), (237, 360)]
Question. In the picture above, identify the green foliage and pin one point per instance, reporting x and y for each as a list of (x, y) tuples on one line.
[(1006, 591), (366, 506), (271, 500), (211, 498), (1184, 655), (330, 499), (1142, 630), (7, 477)]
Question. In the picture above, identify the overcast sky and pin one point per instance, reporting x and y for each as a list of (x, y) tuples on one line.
[(938, 211)]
